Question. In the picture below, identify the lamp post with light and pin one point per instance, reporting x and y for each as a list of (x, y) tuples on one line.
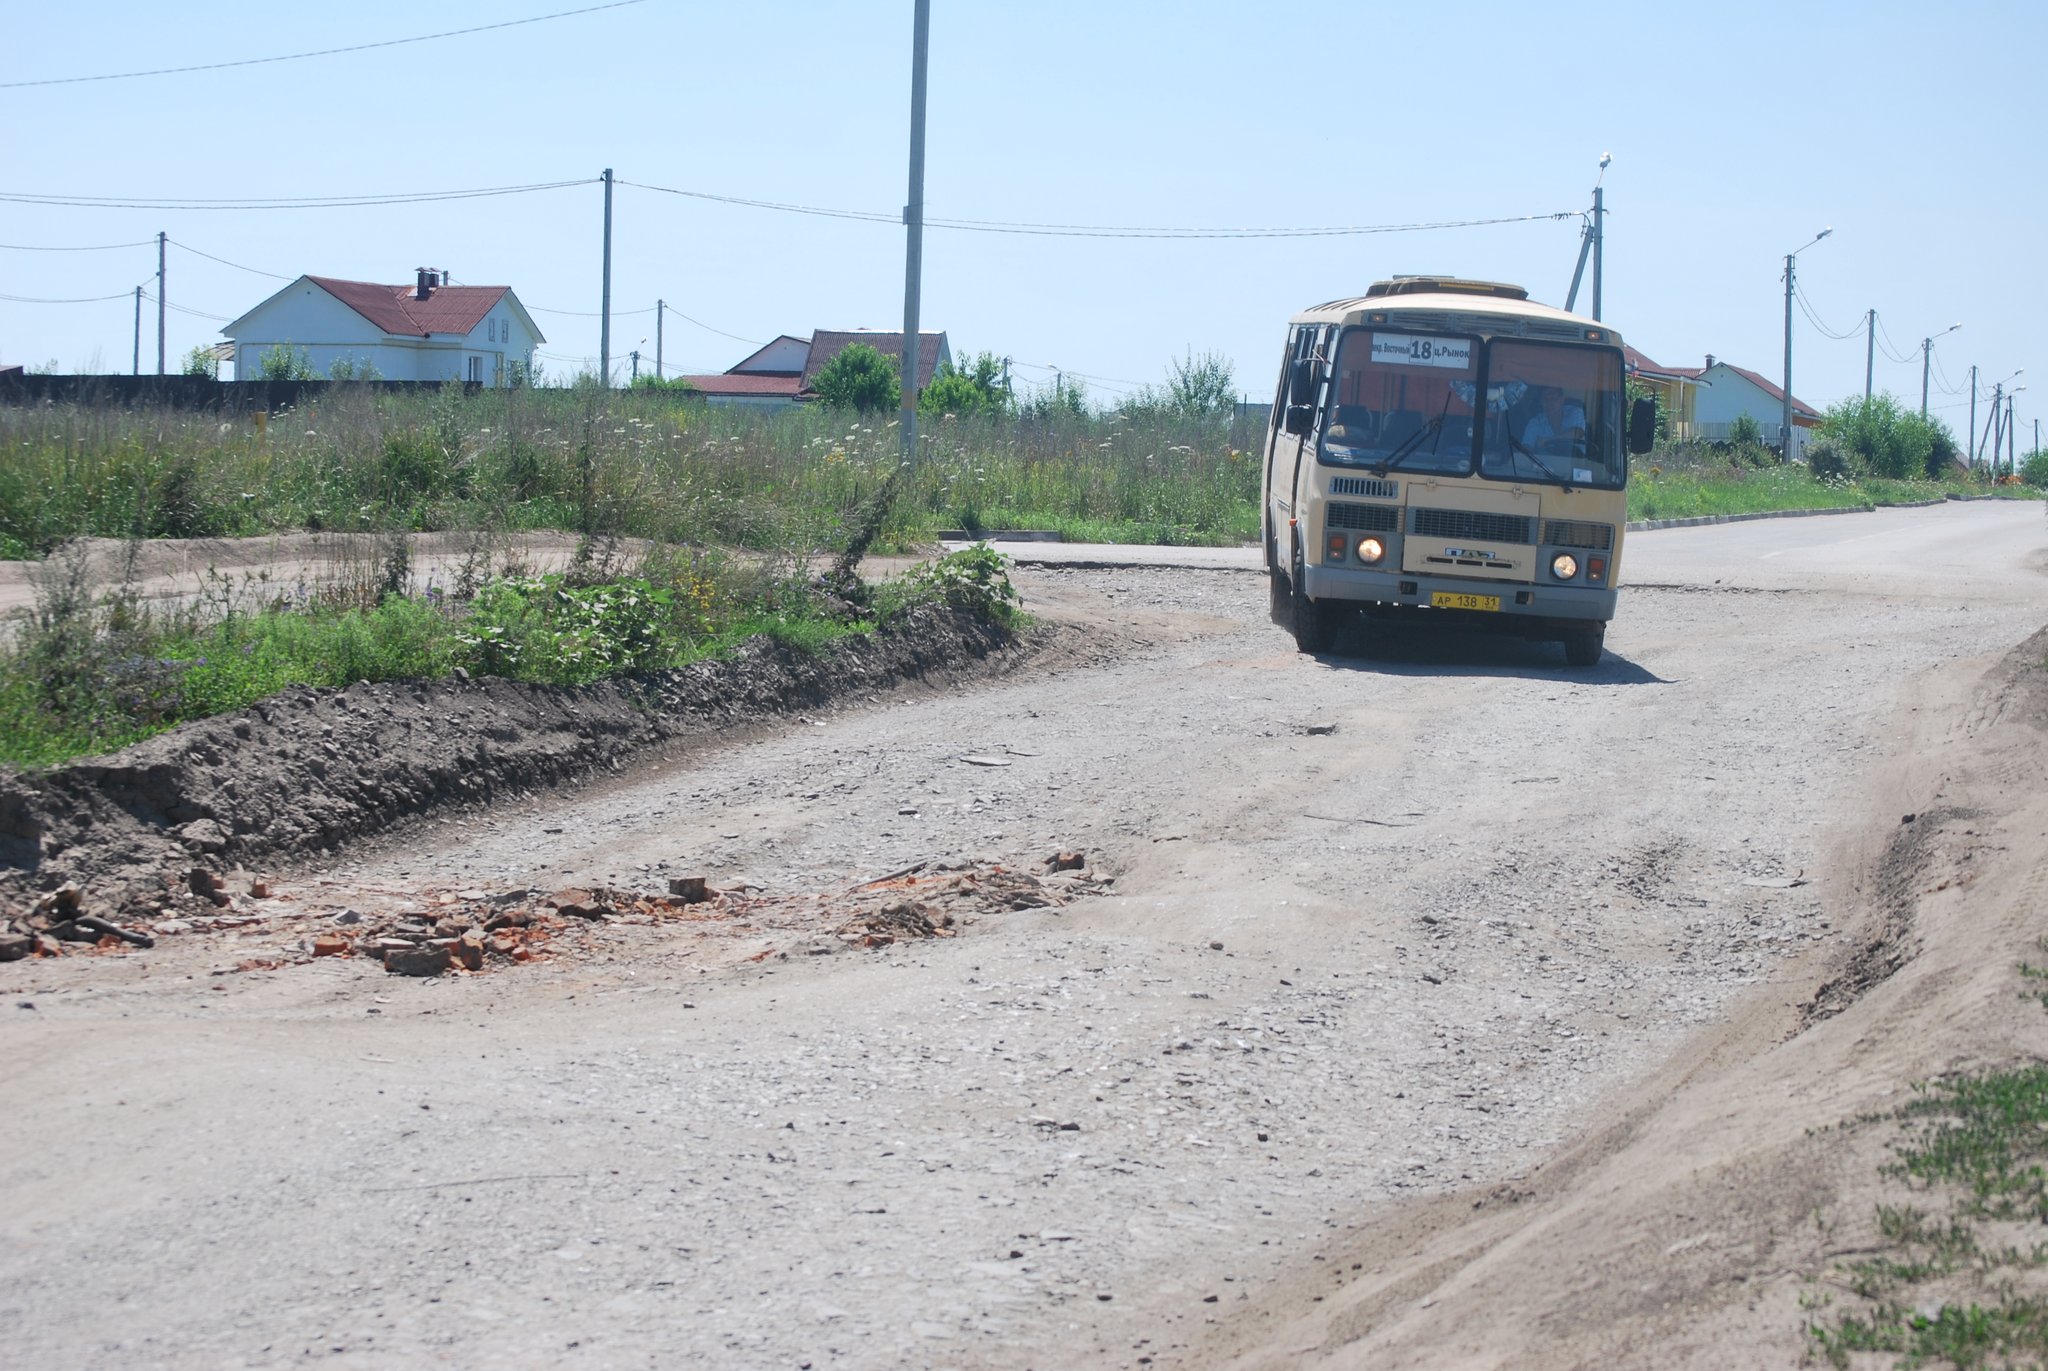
[(1791, 261)]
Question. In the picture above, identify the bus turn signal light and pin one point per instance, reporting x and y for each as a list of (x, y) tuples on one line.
[(1596, 568), (1336, 548)]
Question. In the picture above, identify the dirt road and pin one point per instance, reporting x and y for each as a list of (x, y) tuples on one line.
[(1394, 924)]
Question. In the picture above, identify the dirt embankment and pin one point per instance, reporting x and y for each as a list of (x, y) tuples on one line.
[(1716, 1216), (309, 770)]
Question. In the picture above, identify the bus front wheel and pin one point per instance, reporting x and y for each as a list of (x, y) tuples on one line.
[(1311, 620), (1582, 647)]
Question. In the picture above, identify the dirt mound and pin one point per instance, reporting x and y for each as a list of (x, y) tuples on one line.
[(309, 770)]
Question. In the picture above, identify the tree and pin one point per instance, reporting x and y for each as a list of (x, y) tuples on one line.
[(200, 361), (976, 388), (1202, 387), (354, 369), (859, 378), (670, 384), (1888, 440)]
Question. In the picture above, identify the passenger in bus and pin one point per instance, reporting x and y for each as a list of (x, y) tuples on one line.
[(1559, 420)]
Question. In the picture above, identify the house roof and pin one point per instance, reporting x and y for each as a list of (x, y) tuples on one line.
[(764, 349), (827, 345), (728, 383), (447, 309), (1640, 364)]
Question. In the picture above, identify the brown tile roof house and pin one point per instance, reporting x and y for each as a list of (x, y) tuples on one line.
[(781, 371), (397, 309)]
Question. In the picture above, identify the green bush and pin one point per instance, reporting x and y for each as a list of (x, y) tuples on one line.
[(1829, 459), (1888, 440), (859, 378), (540, 628), (975, 580), (283, 362), (2034, 470)]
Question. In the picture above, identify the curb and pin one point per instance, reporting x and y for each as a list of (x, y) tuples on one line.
[(1700, 521)]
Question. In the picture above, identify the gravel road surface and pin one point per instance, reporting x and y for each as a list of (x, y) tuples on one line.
[(1389, 922)]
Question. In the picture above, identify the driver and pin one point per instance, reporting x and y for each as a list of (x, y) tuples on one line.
[(1559, 417)]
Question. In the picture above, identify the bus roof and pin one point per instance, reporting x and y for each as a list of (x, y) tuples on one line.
[(1451, 305)]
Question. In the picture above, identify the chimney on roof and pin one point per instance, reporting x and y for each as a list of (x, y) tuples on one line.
[(1710, 361), (428, 280)]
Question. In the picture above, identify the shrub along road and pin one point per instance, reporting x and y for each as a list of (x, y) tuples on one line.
[(1390, 931)]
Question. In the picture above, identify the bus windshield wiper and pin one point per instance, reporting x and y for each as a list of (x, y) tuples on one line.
[(1414, 440), (1517, 445), (1408, 445)]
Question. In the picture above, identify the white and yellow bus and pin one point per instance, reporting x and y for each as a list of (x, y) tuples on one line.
[(1451, 452)]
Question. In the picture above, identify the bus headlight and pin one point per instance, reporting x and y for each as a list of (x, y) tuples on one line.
[(1370, 550), (1564, 566)]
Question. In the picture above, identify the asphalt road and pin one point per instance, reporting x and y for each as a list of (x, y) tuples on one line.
[(1389, 922)]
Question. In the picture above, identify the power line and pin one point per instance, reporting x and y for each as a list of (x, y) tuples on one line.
[(306, 202), (187, 309), (322, 52), (253, 271), (1806, 306), (1885, 343), (75, 300), (1092, 230), (708, 329), (589, 313), (95, 247)]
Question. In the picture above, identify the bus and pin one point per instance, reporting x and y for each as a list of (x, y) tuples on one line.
[(1449, 452)]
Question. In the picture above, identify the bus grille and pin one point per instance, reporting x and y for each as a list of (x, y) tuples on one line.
[(1370, 518), (1467, 523), (1370, 487), (1578, 533)]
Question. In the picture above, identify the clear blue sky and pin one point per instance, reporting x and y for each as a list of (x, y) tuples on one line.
[(1738, 131)]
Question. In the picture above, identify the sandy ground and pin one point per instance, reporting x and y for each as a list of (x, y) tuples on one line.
[(1443, 1013)]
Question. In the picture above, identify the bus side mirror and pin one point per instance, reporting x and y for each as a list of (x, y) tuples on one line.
[(1301, 383), (1299, 420), (1642, 426)]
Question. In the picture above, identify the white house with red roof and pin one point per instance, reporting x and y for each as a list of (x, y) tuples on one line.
[(1705, 403), (427, 331)]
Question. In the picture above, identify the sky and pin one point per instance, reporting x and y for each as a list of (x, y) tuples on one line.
[(1738, 132)]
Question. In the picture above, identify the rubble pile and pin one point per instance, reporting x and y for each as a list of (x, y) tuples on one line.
[(58, 922), (434, 932)]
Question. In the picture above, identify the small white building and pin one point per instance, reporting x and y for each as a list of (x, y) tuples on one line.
[(1727, 393), (427, 331)]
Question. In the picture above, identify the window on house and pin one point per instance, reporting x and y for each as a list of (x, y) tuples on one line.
[(476, 370)]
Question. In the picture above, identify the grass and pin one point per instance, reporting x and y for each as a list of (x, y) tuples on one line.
[(92, 672), (590, 460), (1964, 1288)]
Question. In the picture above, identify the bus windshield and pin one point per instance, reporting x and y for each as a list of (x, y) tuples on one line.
[(1552, 412), (1403, 400)]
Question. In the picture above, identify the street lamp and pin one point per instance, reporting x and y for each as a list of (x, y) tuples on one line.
[(1927, 356), (1790, 259)]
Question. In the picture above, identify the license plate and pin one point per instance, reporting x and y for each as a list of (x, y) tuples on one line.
[(1458, 599)]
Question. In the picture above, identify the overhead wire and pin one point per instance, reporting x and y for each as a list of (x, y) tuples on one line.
[(320, 52), (1087, 230), (91, 247), (73, 300), (284, 203), (1885, 344), (1806, 307), (253, 271)]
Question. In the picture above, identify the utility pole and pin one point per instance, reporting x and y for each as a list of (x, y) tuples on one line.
[(660, 313), (1973, 413), (161, 238), (138, 330), (1926, 357), (604, 332), (1599, 236), (913, 220), (636, 366), (2012, 436), (1991, 426), (1869, 351), (1791, 260)]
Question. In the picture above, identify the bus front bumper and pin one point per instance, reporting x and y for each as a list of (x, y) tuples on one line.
[(1405, 588)]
